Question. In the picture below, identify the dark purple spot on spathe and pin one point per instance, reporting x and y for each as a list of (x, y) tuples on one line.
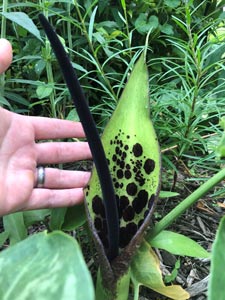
[(127, 174), (98, 207), (127, 233), (131, 189), (128, 166), (114, 157), (139, 203), (119, 174), (117, 150), (131, 228), (122, 164), (128, 214), (137, 150), (123, 202), (149, 166), (98, 223), (117, 185), (140, 223)]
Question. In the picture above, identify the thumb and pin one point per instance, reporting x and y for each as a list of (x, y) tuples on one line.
[(5, 55)]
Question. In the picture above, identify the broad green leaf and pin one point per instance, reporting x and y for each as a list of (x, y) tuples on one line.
[(75, 216), (43, 91), (57, 218), (172, 3), (153, 22), (40, 66), (178, 244), (24, 21), (217, 279), (72, 115), (144, 25), (145, 270), (14, 225), (45, 266), (167, 29), (33, 216)]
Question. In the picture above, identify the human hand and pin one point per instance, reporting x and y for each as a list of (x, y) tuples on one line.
[(20, 155), (5, 55)]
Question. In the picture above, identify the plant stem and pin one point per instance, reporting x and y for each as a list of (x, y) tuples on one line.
[(68, 24), (185, 204), (127, 25), (49, 71), (3, 25)]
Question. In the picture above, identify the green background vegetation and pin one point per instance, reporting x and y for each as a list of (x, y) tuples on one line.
[(103, 39)]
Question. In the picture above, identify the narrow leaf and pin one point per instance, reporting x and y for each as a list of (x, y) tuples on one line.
[(178, 244), (24, 21), (91, 23), (75, 216)]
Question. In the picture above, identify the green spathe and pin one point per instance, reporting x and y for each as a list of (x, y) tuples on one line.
[(133, 154)]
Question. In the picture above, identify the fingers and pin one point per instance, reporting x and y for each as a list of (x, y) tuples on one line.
[(64, 179), (62, 152), (5, 55), (49, 128), (46, 198)]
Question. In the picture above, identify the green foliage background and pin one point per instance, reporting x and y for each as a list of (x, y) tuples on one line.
[(103, 39)]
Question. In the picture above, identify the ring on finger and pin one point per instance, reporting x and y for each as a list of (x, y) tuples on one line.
[(40, 176)]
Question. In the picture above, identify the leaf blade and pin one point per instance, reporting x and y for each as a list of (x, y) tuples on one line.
[(178, 244), (41, 274)]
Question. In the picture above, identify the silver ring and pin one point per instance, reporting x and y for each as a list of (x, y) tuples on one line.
[(40, 176)]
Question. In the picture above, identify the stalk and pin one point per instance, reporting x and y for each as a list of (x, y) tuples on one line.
[(49, 72), (185, 204)]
